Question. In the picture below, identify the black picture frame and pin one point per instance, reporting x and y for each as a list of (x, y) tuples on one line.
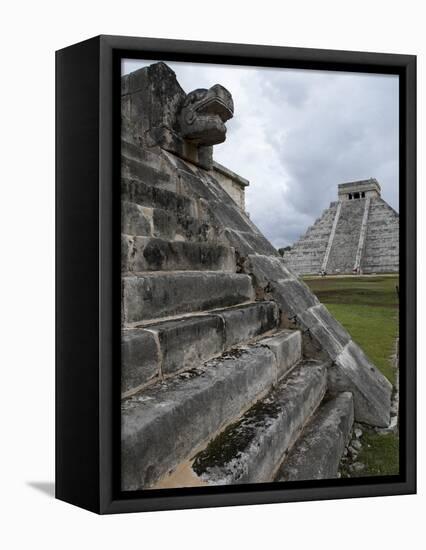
[(88, 273)]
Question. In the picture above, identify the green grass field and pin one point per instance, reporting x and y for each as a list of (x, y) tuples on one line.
[(368, 308)]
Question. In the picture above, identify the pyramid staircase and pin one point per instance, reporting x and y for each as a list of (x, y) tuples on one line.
[(214, 389), (307, 254), (382, 243), (345, 243)]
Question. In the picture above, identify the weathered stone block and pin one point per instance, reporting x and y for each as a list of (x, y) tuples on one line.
[(197, 230), (152, 254), (318, 451), (164, 223), (372, 392), (328, 333), (245, 322), (250, 450), (163, 294), (163, 425), (131, 168), (140, 361), (292, 296), (136, 191), (287, 348), (187, 343), (135, 220), (267, 269)]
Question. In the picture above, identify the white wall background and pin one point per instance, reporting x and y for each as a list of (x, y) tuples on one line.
[(30, 32)]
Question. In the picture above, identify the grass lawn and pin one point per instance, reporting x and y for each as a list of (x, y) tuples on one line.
[(380, 454), (368, 308)]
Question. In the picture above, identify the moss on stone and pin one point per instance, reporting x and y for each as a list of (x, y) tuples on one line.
[(234, 439)]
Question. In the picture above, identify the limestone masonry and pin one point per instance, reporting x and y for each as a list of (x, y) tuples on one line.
[(232, 370), (357, 234)]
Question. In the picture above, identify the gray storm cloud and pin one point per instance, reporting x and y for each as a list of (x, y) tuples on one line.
[(296, 134)]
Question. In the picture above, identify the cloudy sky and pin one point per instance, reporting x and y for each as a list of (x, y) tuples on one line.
[(296, 134)]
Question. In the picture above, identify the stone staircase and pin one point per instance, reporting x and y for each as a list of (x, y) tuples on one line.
[(307, 254), (345, 243), (214, 389), (382, 242)]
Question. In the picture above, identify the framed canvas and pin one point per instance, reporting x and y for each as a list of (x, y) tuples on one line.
[(236, 282)]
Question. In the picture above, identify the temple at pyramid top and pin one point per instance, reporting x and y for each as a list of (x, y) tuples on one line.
[(359, 189), (358, 233)]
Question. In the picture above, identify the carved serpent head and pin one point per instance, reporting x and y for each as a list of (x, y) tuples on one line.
[(203, 115)]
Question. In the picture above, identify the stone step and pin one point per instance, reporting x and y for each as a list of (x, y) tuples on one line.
[(251, 449), (153, 254), (162, 425), (287, 348), (165, 348), (146, 221), (147, 165), (147, 172), (346, 239), (319, 449), (243, 323), (162, 294), (143, 194)]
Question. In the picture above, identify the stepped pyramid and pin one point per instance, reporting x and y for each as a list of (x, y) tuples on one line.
[(231, 369), (357, 234)]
